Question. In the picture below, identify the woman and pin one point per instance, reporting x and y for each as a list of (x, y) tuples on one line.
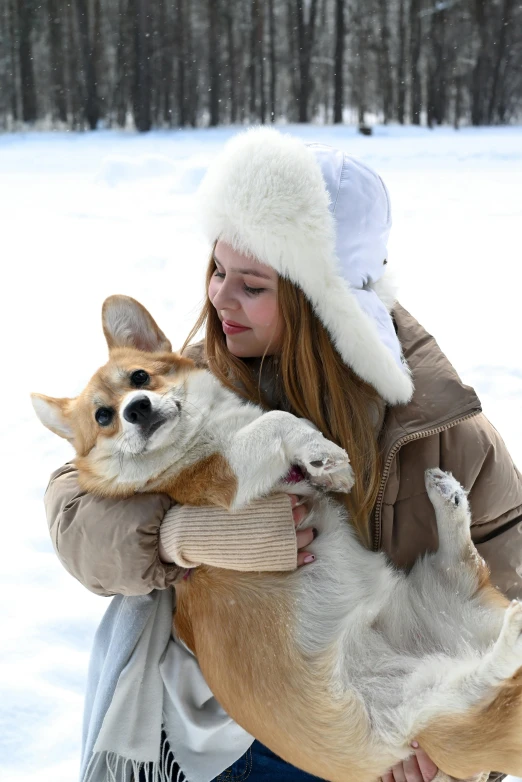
[(297, 317)]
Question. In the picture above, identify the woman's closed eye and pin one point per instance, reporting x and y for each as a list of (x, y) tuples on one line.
[(247, 288), (253, 291)]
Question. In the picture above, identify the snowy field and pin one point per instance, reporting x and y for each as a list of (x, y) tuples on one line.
[(88, 215)]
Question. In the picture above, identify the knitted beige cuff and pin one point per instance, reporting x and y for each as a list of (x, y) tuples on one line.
[(258, 537)]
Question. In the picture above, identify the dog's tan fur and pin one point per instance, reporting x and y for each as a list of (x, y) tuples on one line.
[(209, 482), (259, 688), (488, 736)]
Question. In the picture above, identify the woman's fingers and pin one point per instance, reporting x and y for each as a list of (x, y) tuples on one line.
[(412, 770), (300, 510), (398, 773), (427, 767), (299, 514), (305, 558), (417, 768), (304, 537)]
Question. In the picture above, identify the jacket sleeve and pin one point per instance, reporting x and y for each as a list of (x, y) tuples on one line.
[(110, 546), (495, 496)]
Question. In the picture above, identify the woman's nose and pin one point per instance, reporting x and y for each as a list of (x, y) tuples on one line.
[(225, 298)]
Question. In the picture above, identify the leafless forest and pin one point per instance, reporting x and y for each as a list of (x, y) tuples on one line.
[(87, 64)]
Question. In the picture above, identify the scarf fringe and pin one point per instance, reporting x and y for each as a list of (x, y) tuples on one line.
[(110, 767)]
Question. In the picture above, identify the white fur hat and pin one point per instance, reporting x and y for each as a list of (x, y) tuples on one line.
[(321, 219)]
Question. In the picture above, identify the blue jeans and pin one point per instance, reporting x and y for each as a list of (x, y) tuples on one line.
[(259, 764)]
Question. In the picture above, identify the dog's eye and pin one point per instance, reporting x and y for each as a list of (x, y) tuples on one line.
[(139, 378), (104, 415)]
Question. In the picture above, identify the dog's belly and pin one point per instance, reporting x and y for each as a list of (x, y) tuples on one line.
[(268, 647), (314, 663), (244, 634)]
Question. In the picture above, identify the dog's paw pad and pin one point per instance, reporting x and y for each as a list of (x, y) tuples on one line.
[(338, 478), (443, 486), (318, 463)]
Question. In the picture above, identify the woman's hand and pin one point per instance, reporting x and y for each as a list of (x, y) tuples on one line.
[(417, 768), (300, 510)]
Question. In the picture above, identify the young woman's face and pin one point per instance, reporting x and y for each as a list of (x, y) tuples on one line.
[(244, 293)]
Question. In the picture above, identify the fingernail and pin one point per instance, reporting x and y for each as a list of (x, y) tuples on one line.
[(415, 744), (315, 532), (308, 558)]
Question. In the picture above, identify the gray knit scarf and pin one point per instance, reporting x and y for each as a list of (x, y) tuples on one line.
[(141, 681)]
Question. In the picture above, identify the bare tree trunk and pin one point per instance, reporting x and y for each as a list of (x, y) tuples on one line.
[(340, 32), (120, 102), (415, 50), (72, 36), (98, 53), (252, 66), (261, 62), (141, 92), (479, 75), (273, 63), (167, 48), (305, 37), (59, 102), (401, 65), (242, 17), (91, 107), (182, 22), (231, 62), (193, 73), (360, 36), (293, 45), (500, 57), (12, 25), (458, 102), (385, 74), (436, 102), (25, 54), (213, 62), (507, 91)]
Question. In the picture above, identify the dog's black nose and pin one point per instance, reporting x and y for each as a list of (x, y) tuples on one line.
[(139, 411)]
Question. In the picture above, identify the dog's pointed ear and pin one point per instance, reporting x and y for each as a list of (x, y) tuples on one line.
[(54, 414), (127, 324)]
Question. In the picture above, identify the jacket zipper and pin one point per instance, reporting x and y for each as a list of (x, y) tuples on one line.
[(377, 527)]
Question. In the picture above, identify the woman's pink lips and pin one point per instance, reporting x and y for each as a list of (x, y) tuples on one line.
[(233, 328)]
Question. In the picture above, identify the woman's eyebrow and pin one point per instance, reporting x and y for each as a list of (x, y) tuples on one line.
[(251, 272)]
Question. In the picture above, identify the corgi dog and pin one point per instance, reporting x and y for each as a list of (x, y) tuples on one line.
[(338, 666)]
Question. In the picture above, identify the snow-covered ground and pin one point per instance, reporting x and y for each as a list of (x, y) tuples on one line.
[(85, 216)]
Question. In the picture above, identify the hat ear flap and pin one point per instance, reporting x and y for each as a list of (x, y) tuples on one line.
[(127, 324)]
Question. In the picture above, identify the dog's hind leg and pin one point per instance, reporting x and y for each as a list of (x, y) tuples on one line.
[(453, 519), (457, 560), (468, 716)]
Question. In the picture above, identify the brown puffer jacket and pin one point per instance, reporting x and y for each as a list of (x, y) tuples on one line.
[(112, 546)]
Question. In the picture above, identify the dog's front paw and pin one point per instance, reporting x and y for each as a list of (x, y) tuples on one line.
[(327, 466)]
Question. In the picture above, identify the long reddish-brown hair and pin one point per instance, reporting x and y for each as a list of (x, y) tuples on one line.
[(314, 383)]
